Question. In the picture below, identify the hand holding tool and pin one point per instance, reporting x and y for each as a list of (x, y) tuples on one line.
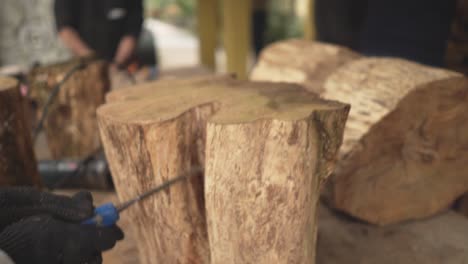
[(108, 214)]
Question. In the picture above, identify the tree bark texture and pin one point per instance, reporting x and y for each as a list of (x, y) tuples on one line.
[(405, 149), (71, 125), (406, 143), (266, 147), (18, 165)]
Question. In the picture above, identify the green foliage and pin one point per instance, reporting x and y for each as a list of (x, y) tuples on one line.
[(282, 22), (156, 4), (187, 7), (178, 12)]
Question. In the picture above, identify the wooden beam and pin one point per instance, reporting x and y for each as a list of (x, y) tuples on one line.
[(310, 32), (207, 31), (237, 35)]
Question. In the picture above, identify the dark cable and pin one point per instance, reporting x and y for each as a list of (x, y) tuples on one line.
[(82, 164)]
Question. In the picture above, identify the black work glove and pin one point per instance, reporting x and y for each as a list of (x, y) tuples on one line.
[(17, 203), (43, 239)]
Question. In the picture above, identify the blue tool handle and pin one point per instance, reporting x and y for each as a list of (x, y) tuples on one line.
[(104, 215)]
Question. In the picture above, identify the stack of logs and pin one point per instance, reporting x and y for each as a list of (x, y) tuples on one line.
[(267, 148)]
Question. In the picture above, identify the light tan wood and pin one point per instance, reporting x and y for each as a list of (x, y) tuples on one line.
[(163, 87), (71, 126), (17, 161), (405, 152), (300, 61), (263, 180), (153, 132)]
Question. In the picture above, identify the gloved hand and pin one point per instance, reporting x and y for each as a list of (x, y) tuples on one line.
[(17, 203), (40, 227), (42, 239)]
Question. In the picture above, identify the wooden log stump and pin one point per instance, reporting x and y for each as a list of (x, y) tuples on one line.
[(301, 61), (405, 152), (71, 126), (268, 149), (17, 161)]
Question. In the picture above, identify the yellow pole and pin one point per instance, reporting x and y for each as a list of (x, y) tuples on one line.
[(207, 11), (237, 35), (309, 21)]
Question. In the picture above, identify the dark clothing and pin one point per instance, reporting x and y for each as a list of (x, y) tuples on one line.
[(340, 21), (259, 19), (101, 23), (416, 30), (45, 228)]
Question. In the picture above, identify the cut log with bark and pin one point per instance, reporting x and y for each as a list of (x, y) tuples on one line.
[(267, 149), (406, 143), (405, 149), (18, 165), (301, 61), (71, 125)]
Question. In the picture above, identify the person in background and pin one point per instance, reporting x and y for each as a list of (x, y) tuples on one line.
[(340, 21), (43, 228), (108, 29)]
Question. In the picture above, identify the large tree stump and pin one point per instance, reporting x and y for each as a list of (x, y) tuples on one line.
[(268, 149), (301, 61), (17, 161), (71, 126)]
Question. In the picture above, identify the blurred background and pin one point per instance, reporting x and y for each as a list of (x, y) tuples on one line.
[(27, 32), (28, 35)]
